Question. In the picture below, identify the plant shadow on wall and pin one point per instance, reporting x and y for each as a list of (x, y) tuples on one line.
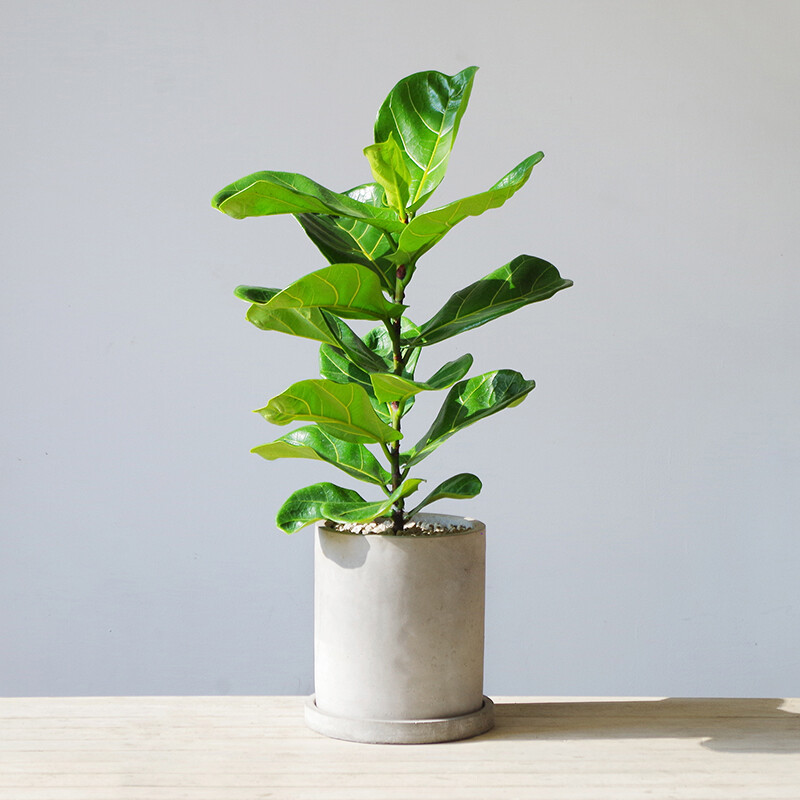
[(729, 725)]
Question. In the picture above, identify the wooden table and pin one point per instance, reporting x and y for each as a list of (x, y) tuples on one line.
[(243, 748)]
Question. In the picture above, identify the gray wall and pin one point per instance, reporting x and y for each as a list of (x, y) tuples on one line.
[(642, 504)]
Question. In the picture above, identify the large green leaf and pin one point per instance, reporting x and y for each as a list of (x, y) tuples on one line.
[(425, 230), (423, 113), (524, 280), (353, 511), (314, 443), (466, 403), (459, 487), (389, 169), (346, 240), (309, 323), (389, 387), (338, 366), (342, 409), (347, 290), (304, 506), (266, 193)]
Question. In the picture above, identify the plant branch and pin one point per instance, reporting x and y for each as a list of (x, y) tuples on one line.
[(398, 517)]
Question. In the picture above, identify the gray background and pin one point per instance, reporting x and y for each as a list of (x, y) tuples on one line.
[(641, 505)]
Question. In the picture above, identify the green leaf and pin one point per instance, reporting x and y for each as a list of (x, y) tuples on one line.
[(255, 294), (524, 280), (314, 443), (459, 487), (423, 113), (336, 365), (346, 240), (266, 193), (309, 323), (379, 341), (304, 506), (389, 387), (347, 290), (390, 171), (342, 409), (466, 403), (424, 231), (352, 511)]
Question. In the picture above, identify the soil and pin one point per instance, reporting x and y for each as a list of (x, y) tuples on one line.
[(384, 525)]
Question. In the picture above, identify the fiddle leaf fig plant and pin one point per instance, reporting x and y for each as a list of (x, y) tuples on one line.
[(372, 238)]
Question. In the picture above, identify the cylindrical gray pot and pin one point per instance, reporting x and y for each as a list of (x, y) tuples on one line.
[(399, 628)]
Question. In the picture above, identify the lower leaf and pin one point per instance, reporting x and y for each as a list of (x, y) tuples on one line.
[(305, 505), (314, 443), (355, 512), (459, 487)]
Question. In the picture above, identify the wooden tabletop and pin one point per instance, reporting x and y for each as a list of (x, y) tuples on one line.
[(250, 748)]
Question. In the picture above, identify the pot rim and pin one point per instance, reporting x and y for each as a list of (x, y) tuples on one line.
[(475, 526)]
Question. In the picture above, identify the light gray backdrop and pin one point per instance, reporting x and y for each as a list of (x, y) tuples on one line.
[(641, 505)]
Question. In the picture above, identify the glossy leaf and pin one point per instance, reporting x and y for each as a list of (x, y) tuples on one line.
[(524, 280), (255, 294), (347, 240), (425, 230), (390, 171), (347, 290), (309, 323), (304, 506), (336, 365), (389, 387), (351, 511), (466, 403), (266, 193), (314, 443), (423, 113), (459, 487), (342, 409), (379, 341)]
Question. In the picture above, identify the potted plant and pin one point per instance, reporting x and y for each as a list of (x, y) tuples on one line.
[(399, 594)]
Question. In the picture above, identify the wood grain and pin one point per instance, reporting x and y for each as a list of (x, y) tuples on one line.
[(250, 748)]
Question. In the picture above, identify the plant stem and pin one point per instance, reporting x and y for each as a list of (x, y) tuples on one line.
[(398, 517)]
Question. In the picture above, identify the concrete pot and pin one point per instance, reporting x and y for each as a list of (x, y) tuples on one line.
[(398, 645)]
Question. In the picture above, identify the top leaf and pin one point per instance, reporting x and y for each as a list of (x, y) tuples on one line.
[(266, 193), (424, 231), (423, 113), (390, 171)]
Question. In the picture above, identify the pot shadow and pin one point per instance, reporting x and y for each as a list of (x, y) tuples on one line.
[(348, 552), (734, 725)]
